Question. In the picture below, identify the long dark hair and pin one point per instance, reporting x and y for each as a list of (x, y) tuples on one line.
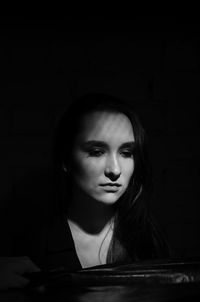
[(135, 236)]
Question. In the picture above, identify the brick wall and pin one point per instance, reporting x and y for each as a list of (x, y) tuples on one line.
[(44, 67)]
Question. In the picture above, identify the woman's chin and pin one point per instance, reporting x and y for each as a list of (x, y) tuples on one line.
[(108, 198)]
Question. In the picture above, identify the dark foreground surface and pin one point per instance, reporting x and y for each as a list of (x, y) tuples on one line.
[(158, 281)]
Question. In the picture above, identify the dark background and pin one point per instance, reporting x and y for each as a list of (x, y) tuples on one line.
[(46, 63)]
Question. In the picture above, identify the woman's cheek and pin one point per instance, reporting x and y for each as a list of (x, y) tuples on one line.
[(93, 166), (129, 169)]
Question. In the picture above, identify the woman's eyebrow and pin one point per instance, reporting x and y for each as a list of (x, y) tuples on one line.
[(93, 143), (130, 145), (103, 144)]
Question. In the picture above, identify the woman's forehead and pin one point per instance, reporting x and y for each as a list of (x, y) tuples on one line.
[(103, 125)]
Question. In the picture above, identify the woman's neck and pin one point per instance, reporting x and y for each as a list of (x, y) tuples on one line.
[(89, 214)]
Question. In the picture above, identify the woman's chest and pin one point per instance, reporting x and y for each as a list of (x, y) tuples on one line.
[(92, 249)]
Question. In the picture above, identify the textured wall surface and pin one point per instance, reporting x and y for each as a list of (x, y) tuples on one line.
[(44, 64)]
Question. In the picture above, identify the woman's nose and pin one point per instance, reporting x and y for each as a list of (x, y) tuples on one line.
[(112, 169)]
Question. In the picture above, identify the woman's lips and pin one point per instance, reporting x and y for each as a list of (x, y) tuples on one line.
[(111, 184), (111, 187)]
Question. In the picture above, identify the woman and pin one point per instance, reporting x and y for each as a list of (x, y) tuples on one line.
[(102, 169), (102, 181)]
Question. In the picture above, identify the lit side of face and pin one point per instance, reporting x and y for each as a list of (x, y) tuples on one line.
[(103, 156)]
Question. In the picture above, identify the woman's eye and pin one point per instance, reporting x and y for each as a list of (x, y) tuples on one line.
[(126, 153), (95, 152)]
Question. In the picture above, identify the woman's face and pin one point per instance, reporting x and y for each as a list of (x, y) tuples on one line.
[(103, 160)]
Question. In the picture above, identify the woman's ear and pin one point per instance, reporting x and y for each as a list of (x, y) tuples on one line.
[(64, 168)]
